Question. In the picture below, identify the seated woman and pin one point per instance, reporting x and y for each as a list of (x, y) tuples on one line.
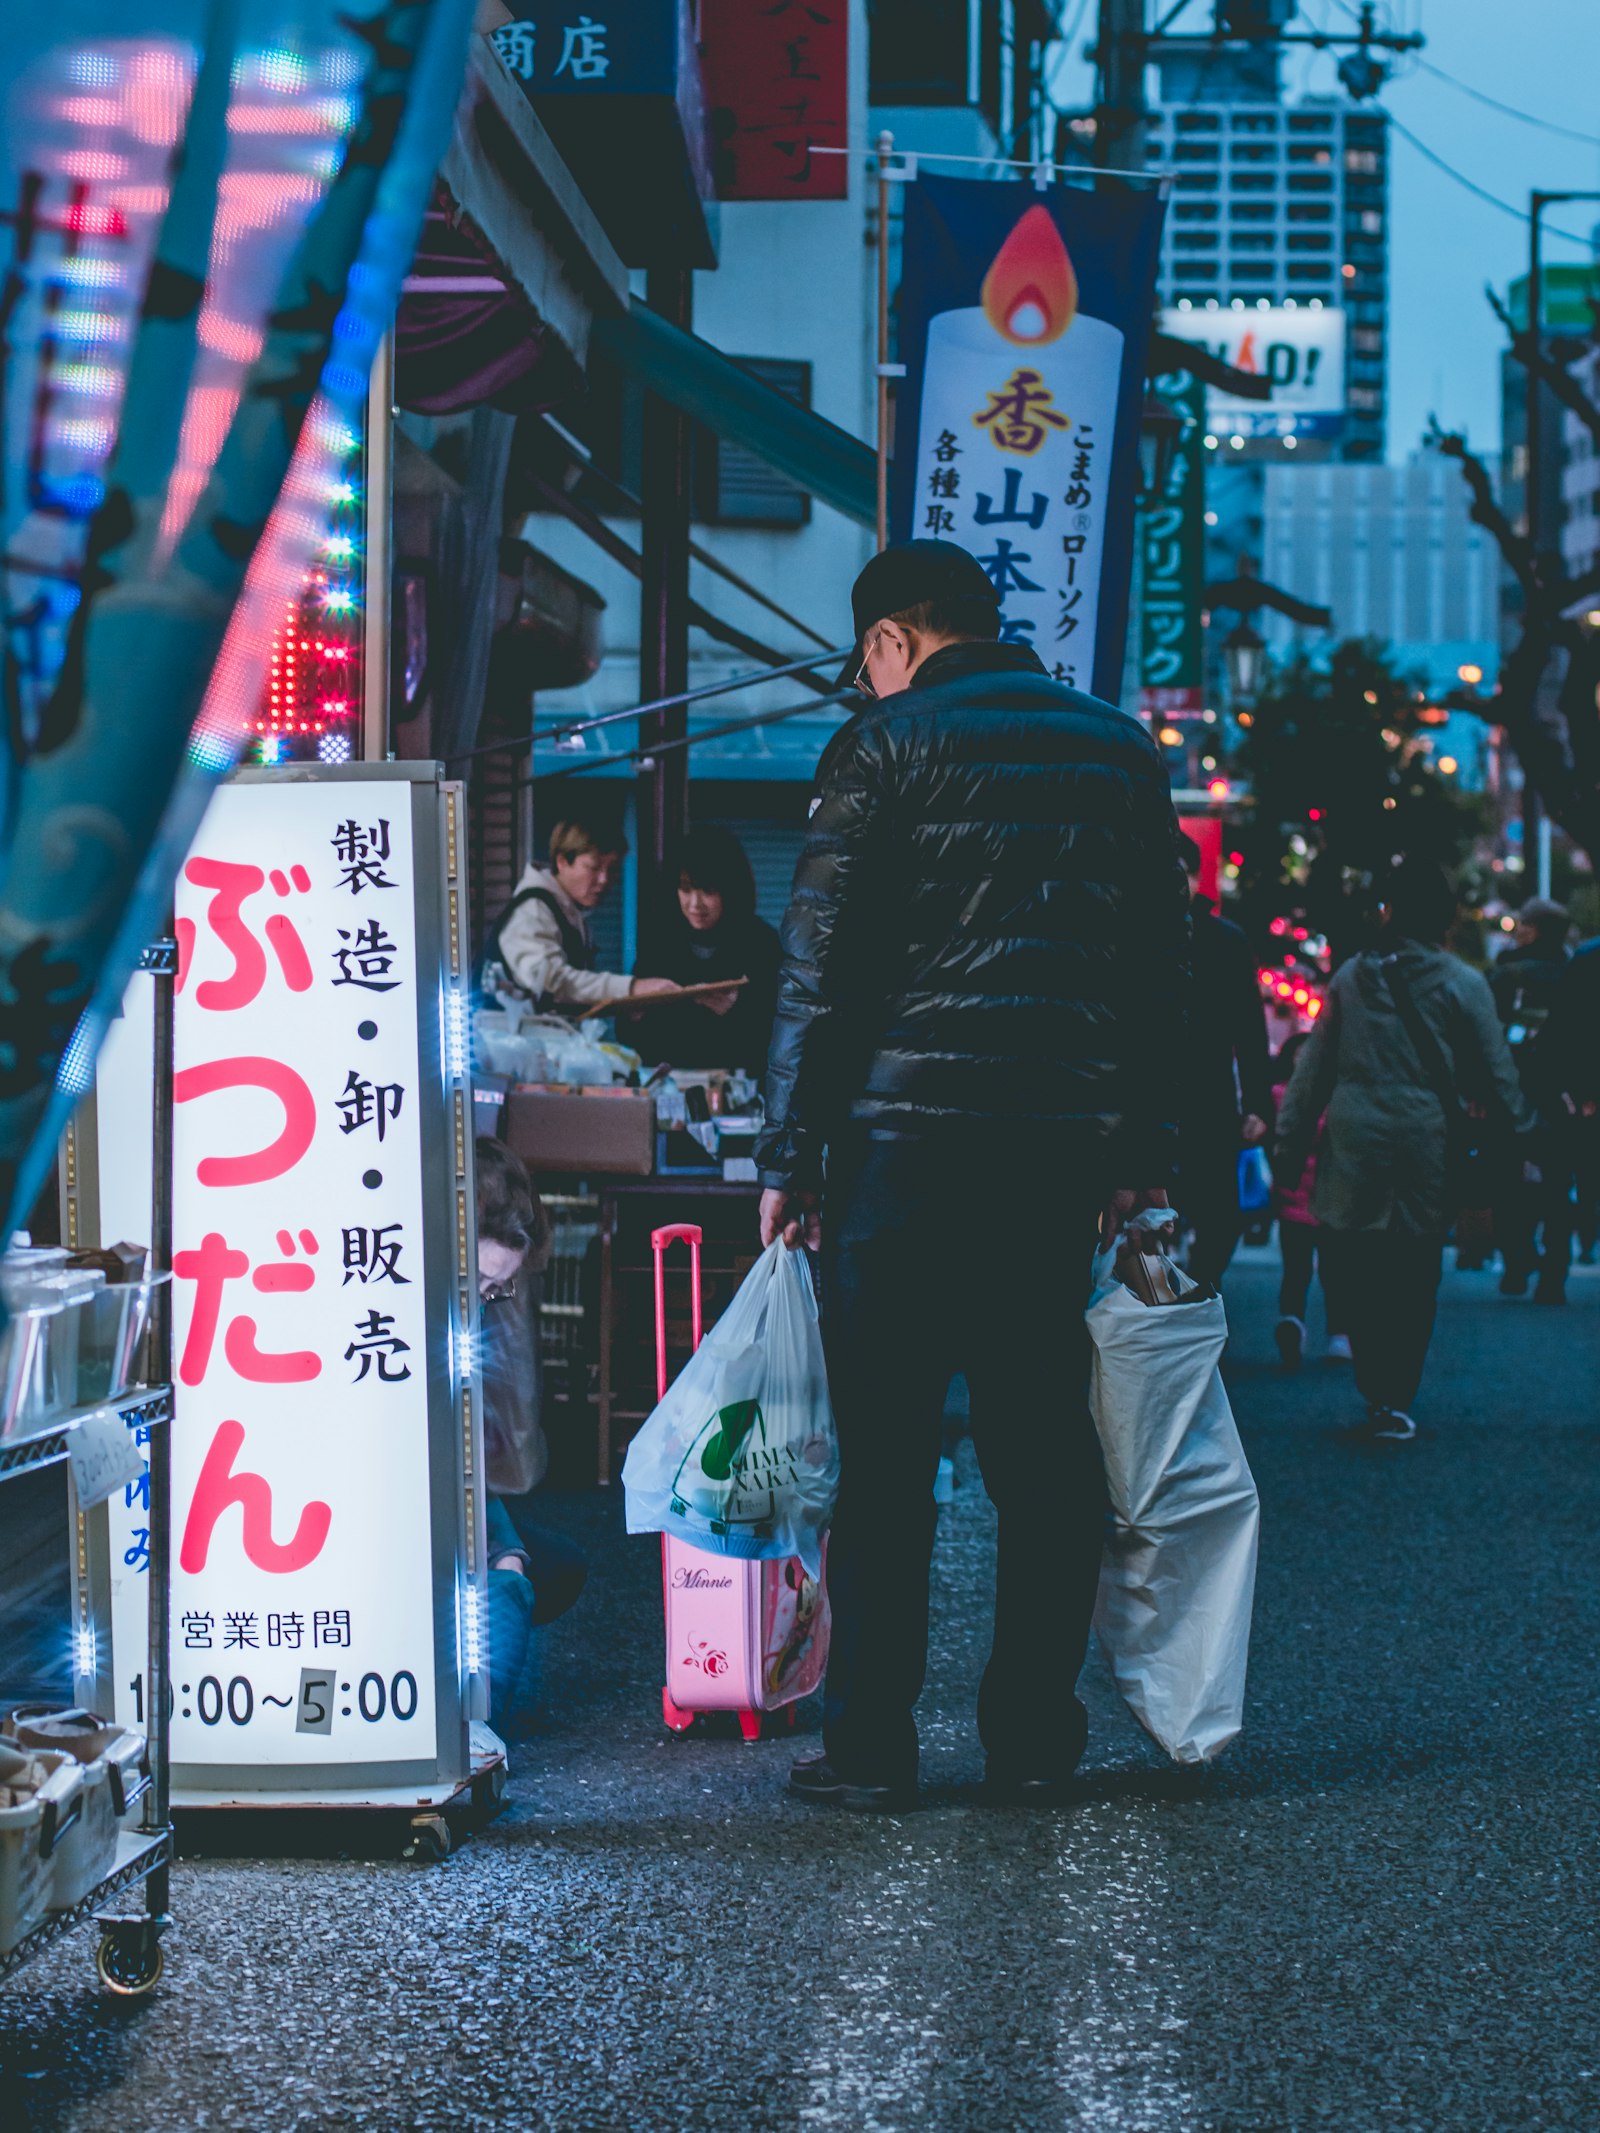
[(711, 931), (534, 1575)]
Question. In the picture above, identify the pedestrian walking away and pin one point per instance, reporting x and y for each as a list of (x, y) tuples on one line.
[(985, 958), (1301, 1244), (1408, 1038), (1227, 1098)]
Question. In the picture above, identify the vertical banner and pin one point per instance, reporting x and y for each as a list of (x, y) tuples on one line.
[(777, 85), (1172, 540), (1024, 327), (326, 1613)]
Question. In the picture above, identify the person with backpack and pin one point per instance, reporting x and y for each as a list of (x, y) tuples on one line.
[(541, 947), (1407, 1040)]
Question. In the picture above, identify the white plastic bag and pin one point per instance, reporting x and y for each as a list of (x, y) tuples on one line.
[(1178, 1577), (741, 1457)]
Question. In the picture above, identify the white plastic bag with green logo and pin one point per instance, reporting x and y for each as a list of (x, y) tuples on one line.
[(741, 1457)]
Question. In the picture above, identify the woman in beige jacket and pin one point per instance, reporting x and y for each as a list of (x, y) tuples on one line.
[(1408, 1038)]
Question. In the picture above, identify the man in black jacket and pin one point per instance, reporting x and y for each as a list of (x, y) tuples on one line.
[(985, 957)]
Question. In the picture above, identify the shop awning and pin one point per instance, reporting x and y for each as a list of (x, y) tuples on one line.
[(833, 466), (513, 267)]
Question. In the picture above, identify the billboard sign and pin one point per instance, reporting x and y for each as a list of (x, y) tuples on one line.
[(1299, 349), (1024, 328)]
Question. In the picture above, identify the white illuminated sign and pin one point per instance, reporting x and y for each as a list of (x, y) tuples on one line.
[(303, 1328), (1300, 350)]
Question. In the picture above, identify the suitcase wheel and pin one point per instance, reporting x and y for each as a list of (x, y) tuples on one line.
[(750, 1724), (677, 1721)]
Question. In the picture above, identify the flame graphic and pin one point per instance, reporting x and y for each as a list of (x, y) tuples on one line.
[(1030, 293)]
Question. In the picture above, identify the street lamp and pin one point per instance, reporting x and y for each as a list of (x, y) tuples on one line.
[(1245, 652)]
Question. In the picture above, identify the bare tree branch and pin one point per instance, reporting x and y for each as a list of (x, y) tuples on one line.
[(1486, 512), (1563, 385)]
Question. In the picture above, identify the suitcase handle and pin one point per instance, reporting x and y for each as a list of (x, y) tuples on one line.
[(674, 1233)]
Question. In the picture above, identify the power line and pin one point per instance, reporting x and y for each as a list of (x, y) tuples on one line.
[(1505, 206), (1568, 133), (1480, 96)]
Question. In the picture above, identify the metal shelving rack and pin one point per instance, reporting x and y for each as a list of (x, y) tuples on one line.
[(129, 1957)]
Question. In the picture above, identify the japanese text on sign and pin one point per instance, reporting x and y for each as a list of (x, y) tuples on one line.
[(300, 1452)]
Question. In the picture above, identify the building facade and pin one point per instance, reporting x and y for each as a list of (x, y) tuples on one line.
[(1393, 552), (1283, 204)]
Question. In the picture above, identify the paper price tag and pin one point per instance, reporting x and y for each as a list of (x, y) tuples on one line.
[(103, 1454)]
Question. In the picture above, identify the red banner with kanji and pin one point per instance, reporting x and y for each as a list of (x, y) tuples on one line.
[(777, 83)]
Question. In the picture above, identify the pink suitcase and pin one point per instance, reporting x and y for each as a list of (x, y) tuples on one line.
[(745, 1637)]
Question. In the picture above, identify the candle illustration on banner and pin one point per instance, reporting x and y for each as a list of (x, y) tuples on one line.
[(1019, 406)]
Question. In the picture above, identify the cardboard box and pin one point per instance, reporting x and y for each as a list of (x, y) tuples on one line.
[(574, 1131)]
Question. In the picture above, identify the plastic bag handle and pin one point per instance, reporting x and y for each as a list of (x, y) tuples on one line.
[(674, 1233)]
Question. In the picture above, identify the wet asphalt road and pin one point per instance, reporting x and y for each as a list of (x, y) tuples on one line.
[(1378, 1912)]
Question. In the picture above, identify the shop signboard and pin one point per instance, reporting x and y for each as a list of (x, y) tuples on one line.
[(1024, 328), (329, 1629), (1298, 348), (777, 86), (1172, 537), (618, 86)]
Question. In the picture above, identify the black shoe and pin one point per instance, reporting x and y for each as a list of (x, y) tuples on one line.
[(814, 1778), (1550, 1292), (1291, 1341), (1514, 1284)]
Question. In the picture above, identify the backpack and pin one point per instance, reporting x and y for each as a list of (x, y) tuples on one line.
[(577, 949)]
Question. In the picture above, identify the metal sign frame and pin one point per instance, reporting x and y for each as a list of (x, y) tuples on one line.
[(457, 1565)]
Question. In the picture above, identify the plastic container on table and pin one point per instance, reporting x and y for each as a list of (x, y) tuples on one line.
[(56, 1391), (111, 1329), (22, 1350), (26, 1262), (31, 1835)]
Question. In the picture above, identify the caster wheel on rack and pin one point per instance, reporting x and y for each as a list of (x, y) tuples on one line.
[(750, 1724), (495, 1787), (129, 1965), (430, 1839), (676, 1721)]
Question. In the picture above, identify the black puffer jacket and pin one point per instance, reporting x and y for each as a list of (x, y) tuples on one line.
[(988, 932)]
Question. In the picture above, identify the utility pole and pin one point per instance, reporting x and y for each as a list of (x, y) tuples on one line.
[(1121, 52), (663, 781)]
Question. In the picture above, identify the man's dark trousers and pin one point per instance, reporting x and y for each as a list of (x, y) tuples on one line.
[(933, 1262)]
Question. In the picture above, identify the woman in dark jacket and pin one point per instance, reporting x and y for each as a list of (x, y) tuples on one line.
[(1384, 1190), (711, 931)]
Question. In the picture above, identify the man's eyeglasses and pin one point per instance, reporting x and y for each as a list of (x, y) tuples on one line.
[(497, 1291), (863, 680)]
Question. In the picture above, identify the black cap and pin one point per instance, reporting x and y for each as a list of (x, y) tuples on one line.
[(906, 575)]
